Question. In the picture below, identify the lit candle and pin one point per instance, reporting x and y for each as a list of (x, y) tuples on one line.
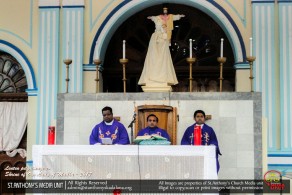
[(191, 46), (96, 51), (67, 50), (221, 48), (124, 49), (250, 46)]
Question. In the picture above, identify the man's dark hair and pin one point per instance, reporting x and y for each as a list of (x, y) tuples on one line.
[(152, 115), (199, 111), (107, 108)]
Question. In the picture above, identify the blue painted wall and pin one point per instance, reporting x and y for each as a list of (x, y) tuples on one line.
[(48, 70)]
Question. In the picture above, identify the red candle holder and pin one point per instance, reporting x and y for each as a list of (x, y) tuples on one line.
[(51, 135)]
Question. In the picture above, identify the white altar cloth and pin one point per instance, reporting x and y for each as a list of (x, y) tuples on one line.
[(124, 162)]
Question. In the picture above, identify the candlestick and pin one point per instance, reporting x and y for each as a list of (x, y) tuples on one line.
[(221, 61), (191, 61), (191, 48), (67, 62), (124, 49), (251, 59), (97, 62), (250, 46), (221, 48), (124, 62)]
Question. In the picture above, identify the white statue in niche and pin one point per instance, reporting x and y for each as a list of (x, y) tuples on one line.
[(158, 71)]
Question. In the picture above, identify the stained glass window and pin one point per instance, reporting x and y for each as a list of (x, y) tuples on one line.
[(12, 76)]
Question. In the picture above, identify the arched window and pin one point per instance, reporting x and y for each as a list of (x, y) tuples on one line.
[(12, 76), (200, 27)]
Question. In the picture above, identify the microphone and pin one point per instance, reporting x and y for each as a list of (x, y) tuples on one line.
[(131, 126), (133, 120)]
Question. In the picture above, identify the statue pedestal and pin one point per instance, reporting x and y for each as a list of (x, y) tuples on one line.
[(157, 89), (164, 87)]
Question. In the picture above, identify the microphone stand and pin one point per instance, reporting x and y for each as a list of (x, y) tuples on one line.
[(131, 126)]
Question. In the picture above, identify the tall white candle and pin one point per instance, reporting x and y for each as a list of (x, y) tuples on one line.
[(96, 51), (221, 48), (67, 50), (191, 48), (124, 49), (250, 46)]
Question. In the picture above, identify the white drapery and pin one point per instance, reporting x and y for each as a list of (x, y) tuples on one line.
[(13, 121)]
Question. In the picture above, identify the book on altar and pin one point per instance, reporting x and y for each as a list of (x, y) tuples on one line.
[(148, 137), (106, 141)]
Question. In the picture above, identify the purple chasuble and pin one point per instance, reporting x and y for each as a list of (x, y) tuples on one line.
[(208, 138), (117, 132)]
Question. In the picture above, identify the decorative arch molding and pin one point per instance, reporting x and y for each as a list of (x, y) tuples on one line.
[(128, 8), (26, 65)]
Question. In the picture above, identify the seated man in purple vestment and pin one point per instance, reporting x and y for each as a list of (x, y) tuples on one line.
[(208, 136), (152, 128), (109, 128)]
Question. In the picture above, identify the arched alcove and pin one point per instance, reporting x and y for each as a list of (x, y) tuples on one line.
[(18, 55), (137, 30), (127, 9)]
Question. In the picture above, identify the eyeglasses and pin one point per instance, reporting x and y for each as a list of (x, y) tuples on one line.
[(151, 120)]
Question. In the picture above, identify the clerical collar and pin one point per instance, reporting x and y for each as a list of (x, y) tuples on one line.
[(110, 123)]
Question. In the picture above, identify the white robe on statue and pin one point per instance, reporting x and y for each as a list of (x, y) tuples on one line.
[(158, 67)]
